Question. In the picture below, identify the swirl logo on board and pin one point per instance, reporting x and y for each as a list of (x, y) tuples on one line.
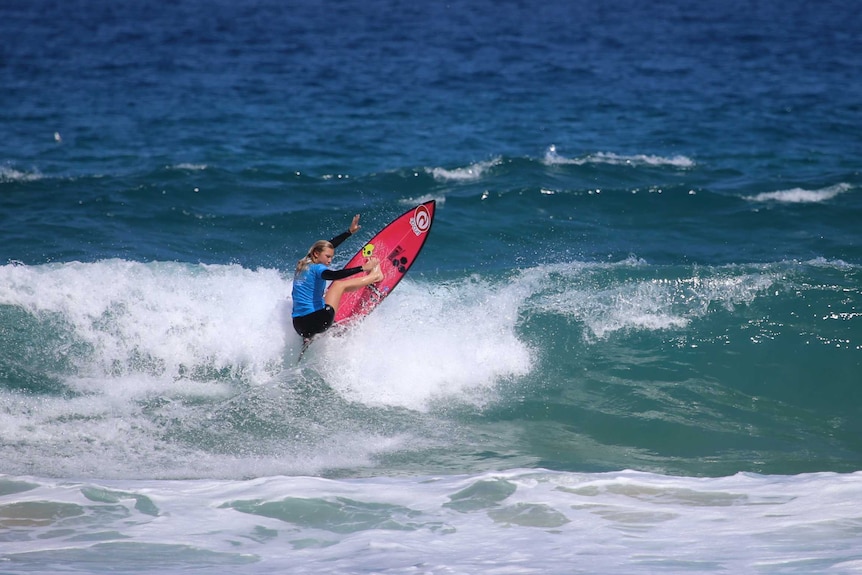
[(421, 220)]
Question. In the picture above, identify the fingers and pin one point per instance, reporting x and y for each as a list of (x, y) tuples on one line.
[(354, 225)]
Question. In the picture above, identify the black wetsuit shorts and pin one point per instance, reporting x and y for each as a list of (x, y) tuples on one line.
[(315, 322)]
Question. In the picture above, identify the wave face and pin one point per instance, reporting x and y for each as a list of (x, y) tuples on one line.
[(671, 368)]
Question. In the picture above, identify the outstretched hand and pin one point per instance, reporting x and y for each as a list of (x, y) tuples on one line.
[(354, 225)]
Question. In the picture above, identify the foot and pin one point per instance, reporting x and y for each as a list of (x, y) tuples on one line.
[(376, 275)]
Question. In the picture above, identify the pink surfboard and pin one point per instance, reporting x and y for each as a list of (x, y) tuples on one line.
[(396, 246)]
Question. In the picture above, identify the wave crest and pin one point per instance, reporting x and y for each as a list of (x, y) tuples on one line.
[(552, 158), (468, 173), (802, 196)]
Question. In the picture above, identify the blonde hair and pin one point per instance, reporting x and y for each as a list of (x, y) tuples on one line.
[(315, 249)]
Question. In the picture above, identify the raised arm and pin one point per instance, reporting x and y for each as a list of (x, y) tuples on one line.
[(354, 227)]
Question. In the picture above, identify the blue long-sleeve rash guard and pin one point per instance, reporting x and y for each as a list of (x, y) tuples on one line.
[(310, 284)]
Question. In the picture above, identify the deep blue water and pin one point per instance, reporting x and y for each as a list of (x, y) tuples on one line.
[(639, 311)]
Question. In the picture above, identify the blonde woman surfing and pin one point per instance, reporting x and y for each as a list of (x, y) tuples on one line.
[(314, 306)]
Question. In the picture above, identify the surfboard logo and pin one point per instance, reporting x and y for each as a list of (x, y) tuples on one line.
[(421, 220), (368, 250), (398, 261)]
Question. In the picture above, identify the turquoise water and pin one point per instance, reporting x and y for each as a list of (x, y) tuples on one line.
[(632, 342)]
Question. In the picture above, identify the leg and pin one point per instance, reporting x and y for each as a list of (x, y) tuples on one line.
[(338, 288)]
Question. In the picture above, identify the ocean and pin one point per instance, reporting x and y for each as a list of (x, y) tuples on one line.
[(632, 342)]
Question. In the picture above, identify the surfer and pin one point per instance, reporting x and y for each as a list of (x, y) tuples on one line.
[(313, 312)]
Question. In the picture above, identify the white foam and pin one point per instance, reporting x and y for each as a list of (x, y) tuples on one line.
[(641, 305), (429, 344), (8, 174), (802, 196), (414, 200), (512, 521), (190, 167), (471, 172), (552, 157), (164, 320)]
